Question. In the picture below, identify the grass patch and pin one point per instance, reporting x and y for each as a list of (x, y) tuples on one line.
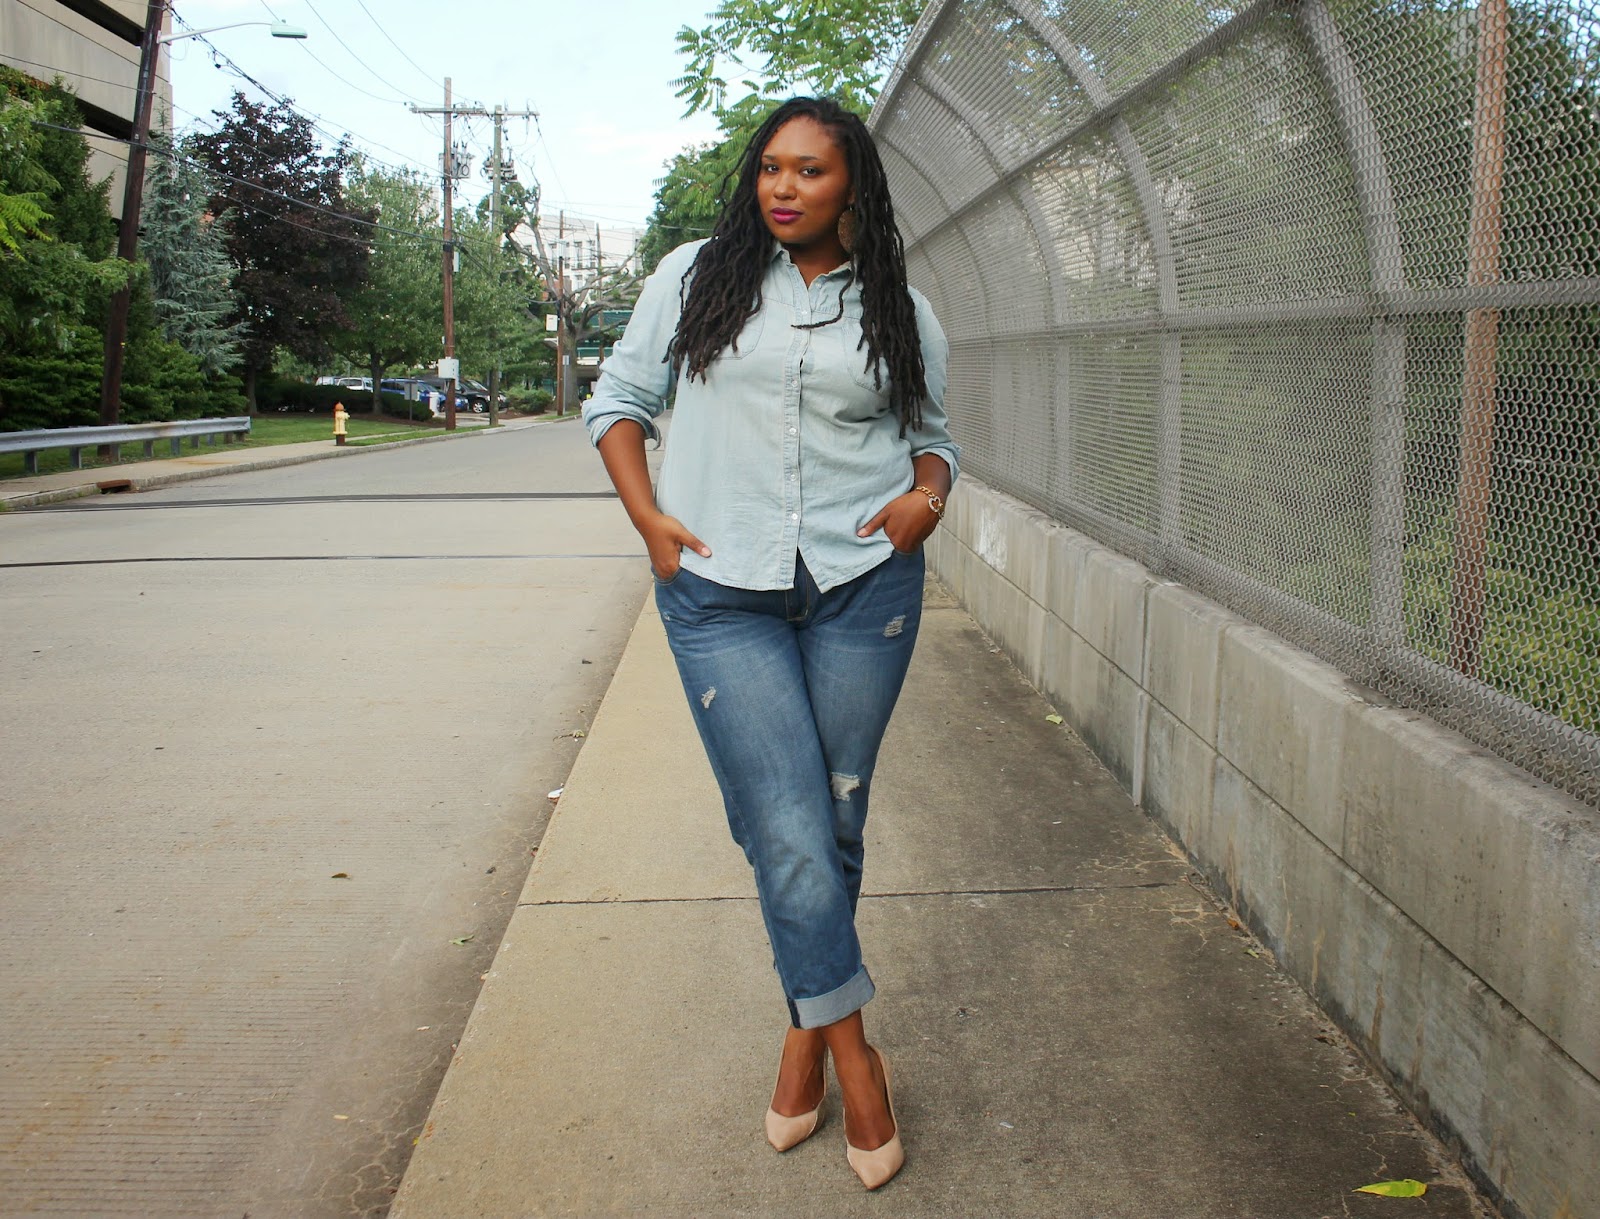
[(265, 431)]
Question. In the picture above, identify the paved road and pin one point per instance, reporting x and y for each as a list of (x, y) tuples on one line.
[(276, 751)]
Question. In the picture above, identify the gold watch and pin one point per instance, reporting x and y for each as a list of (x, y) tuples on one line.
[(935, 500)]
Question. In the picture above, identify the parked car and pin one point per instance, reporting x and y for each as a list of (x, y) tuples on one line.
[(466, 398), (411, 388)]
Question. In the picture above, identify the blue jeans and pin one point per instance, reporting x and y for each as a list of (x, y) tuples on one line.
[(792, 691)]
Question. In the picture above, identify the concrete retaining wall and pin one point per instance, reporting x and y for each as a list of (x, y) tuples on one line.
[(1440, 904)]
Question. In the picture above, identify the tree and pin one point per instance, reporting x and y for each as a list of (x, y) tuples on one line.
[(300, 250), (582, 307), (185, 247), (839, 47), (56, 268), (394, 318), (690, 197)]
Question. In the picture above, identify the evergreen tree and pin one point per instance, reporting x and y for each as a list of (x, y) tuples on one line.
[(185, 246)]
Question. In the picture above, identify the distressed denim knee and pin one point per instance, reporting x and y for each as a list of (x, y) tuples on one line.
[(794, 783)]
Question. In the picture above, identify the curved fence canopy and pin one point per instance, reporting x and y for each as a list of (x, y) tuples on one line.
[(1298, 302)]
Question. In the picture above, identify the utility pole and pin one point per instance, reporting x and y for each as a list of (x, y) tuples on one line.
[(448, 366), (497, 178), (494, 263), (562, 375), (132, 197), (452, 169)]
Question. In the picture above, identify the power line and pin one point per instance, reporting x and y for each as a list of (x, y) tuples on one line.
[(100, 80), (244, 182), (351, 50), (316, 120), (397, 46), (333, 72)]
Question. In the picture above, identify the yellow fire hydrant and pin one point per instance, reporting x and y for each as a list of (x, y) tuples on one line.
[(339, 416)]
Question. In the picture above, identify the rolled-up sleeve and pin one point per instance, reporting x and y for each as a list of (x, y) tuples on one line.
[(635, 381), (934, 434)]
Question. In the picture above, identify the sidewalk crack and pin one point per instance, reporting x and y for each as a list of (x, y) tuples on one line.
[(1002, 892)]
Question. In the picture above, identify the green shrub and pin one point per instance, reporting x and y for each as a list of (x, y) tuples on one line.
[(1540, 645), (532, 401), (51, 387)]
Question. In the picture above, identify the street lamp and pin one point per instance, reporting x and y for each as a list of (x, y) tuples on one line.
[(133, 186), (279, 29)]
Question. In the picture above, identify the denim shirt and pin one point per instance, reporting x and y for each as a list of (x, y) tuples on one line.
[(786, 445)]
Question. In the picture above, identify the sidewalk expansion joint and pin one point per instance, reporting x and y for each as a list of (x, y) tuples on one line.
[(1019, 890)]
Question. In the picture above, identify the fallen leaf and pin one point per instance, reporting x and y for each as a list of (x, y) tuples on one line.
[(1395, 1189), (340, 876), (341, 1117), (1054, 719), (465, 939)]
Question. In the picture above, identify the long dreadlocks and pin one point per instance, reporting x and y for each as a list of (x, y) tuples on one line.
[(724, 282)]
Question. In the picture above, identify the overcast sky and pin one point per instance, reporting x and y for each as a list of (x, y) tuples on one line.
[(599, 72)]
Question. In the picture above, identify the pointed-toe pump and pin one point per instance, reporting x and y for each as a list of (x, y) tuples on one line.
[(877, 1166), (785, 1132)]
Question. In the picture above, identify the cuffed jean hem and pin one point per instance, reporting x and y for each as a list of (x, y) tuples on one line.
[(835, 1005)]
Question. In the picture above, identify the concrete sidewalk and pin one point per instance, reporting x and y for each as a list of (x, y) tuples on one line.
[(1076, 1027)]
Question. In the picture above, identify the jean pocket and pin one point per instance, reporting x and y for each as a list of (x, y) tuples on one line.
[(664, 581)]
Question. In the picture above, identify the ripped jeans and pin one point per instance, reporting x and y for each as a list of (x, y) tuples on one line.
[(792, 691)]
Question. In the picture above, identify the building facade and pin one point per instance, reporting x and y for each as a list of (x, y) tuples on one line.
[(92, 47)]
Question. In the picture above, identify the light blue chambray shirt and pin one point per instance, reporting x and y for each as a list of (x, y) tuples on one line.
[(786, 445)]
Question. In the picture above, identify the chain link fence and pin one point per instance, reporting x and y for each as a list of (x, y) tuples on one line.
[(1296, 301)]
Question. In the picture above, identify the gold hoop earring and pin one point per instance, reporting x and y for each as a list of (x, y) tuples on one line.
[(847, 229)]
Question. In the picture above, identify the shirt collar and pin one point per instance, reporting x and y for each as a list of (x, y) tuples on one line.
[(780, 253)]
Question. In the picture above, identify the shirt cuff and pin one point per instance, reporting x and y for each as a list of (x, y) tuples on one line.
[(951, 454), (600, 423)]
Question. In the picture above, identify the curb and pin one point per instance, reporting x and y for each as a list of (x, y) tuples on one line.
[(38, 499)]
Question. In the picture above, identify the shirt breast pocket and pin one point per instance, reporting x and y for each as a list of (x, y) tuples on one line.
[(854, 352), (749, 338)]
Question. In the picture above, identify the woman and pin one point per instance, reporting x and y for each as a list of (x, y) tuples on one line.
[(809, 461)]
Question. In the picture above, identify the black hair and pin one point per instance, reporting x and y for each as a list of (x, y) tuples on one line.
[(723, 285)]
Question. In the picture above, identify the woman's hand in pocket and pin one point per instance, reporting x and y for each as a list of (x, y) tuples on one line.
[(665, 538), (906, 520)]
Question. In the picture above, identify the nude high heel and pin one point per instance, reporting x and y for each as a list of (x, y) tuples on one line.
[(785, 1132), (877, 1166)]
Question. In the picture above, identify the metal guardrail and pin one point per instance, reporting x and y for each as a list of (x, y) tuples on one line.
[(77, 439), (1297, 301)]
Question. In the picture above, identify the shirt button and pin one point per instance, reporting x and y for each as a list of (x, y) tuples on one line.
[(791, 431), (794, 516)]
